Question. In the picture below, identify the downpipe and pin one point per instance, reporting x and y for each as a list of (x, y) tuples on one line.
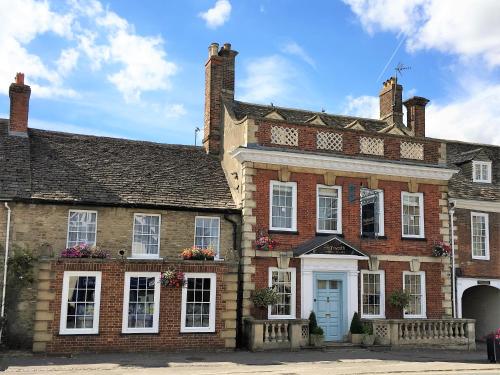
[(6, 259), (453, 273)]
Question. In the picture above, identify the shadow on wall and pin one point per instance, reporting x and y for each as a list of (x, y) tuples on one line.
[(482, 303)]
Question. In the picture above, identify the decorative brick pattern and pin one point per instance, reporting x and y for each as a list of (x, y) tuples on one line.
[(371, 146), (329, 141), (410, 150), (284, 136)]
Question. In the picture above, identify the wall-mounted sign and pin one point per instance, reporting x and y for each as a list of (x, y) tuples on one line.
[(483, 282)]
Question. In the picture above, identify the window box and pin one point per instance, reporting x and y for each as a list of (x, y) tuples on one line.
[(195, 253)]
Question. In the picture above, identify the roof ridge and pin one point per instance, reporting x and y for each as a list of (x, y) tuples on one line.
[(68, 134), (309, 111)]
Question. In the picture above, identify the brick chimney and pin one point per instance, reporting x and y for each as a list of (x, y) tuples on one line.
[(391, 102), (415, 115), (19, 94), (219, 85)]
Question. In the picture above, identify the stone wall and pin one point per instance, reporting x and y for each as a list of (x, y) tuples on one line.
[(42, 230)]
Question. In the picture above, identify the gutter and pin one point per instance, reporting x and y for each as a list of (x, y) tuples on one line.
[(239, 293), (453, 273), (6, 258)]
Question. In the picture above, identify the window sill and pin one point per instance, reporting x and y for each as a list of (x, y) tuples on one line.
[(372, 317), (275, 231), (370, 237), (413, 239), (139, 333), (481, 258), (78, 334), (145, 258), (183, 331)]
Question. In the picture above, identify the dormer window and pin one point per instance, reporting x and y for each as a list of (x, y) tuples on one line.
[(481, 171)]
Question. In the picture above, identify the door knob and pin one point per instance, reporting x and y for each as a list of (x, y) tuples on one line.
[(327, 299)]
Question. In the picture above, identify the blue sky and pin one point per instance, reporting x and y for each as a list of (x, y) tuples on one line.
[(136, 69)]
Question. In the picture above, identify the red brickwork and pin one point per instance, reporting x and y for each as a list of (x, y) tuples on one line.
[(19, 94), (306, 214), (307, 141), (110, 337), (475, 267), (261, 276)]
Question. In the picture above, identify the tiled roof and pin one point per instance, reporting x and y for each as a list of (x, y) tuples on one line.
[(242, 109), (100, 170), (461, 154)]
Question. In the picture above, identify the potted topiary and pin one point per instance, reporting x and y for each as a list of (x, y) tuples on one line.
[(400, 299), (262, 299), (356, 329), (368, 336), (316, 334)]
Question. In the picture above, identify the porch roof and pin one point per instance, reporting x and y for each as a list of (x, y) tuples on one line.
[(327, 245)]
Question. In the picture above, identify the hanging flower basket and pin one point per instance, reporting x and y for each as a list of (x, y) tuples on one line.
[(84, 251), (195, 253), (264, 241), (172, 279), (441, 249)]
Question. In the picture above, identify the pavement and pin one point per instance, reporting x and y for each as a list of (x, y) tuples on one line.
[(332, 361)]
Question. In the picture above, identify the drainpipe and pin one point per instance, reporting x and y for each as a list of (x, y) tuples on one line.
[(6, 258), (453, 273)]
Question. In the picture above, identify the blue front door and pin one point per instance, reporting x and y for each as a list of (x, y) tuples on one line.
[(328, 307)]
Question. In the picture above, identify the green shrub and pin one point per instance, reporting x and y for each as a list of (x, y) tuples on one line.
[(265, 297), (316, 331), (356, 325), (399, 299)]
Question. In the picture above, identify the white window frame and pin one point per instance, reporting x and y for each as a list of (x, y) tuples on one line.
[(424, 295), (294, 292), (213, 302), (79, 211), (480, 164), (64, 304), (217, 250), (421, 212), (126, 300), (294, 205), (339, 209), (382, 294), (487, 239), (145, 256), (381, 208)]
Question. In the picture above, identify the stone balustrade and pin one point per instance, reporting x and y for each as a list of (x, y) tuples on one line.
[(276, 333), (452, 333)]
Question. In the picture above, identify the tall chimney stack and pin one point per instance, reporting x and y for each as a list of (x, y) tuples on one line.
[(219, 86), (391, 102), (415, 115), (19, 94)]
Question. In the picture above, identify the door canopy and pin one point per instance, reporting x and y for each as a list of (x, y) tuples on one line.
[(328, 245)]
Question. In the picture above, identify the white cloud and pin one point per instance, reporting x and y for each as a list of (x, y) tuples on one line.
[(362, 106), (175, 110), (268, 78), (218, 15), (467, 28), (96, 36), (67, 61), (293, 48), (472, 117), (68, 128)]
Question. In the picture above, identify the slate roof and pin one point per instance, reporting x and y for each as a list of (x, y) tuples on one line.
[(65, 167), (461, 155), (242, 109), (318, 241)]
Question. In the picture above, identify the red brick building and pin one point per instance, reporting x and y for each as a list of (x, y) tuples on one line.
[(355, 205), (475, 197)]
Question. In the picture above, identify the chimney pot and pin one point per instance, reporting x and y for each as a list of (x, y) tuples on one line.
[(213, 49), (20, 79), (227, 46)]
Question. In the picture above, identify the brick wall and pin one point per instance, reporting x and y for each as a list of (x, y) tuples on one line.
[(474, 267), (110, 337), (307, 141), (306, 213), (394, 281)]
